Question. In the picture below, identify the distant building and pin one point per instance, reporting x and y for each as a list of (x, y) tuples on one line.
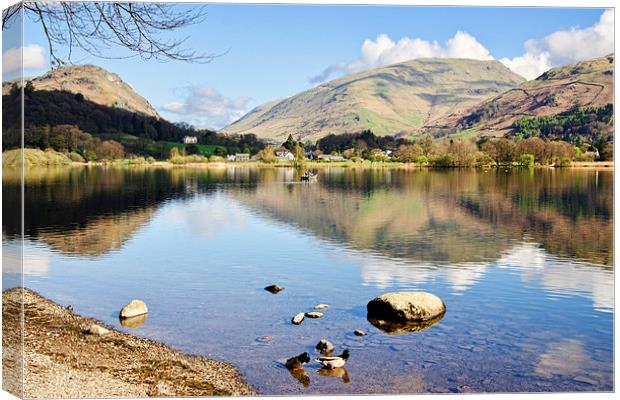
[(190, 139), (284, 155), (239, 157), (330, 157), (230, 157)]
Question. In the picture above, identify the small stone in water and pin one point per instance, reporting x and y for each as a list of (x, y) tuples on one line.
[(133, 308), (274, 289), (314, 314), (298, 319), (265, 338), (359, 332), (321, 307)]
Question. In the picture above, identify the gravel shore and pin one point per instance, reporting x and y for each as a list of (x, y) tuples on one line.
[(62, 360)]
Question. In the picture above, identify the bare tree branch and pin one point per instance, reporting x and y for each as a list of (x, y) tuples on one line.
[(97, 27)]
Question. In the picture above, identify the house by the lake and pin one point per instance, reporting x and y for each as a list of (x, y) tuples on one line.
[(330, 157), (284, 155), (190, 140), (240, 157)]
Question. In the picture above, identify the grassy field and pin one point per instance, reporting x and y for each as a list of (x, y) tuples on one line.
[(162, 149)]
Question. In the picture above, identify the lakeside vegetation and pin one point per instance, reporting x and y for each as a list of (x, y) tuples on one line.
[(76, 130)]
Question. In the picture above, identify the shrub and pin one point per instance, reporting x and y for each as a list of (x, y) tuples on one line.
[(443, 161), (526, 160), (188, 159), (75, 157), (421, 159), (564, 162)]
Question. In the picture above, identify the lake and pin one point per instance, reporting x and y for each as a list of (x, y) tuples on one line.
[(523, 260)]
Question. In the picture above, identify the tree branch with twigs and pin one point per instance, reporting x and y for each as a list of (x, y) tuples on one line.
[(97, 27)]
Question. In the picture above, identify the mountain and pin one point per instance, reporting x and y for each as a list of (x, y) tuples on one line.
[(95, 84), (559, 90), (387, 100)]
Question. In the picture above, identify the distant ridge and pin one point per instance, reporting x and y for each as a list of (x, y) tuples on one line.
[(388, 100), (584, 84)]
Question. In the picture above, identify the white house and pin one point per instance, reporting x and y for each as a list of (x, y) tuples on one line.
[(190, 139), (330, 157), (285, 155)]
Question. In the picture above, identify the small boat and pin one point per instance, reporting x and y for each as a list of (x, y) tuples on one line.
[(309, 177)]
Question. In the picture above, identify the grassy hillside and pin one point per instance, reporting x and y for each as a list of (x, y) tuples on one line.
[(387, 100), (95, 84), (559, 90)]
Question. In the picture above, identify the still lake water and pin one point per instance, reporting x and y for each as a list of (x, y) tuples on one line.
[(522, 259)]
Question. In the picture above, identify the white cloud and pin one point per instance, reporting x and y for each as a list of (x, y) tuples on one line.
[(565, 47), (384, 51), (558, 48), (33, 54), (205, 107)]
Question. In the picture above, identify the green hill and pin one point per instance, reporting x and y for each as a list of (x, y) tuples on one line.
[(388, 100)]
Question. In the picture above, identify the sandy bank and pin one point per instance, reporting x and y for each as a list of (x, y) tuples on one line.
[(61, 360)]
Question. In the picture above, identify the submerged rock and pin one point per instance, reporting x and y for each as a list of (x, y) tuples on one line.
[(298, 319), (321, 307), (325, 346), (133, 309), (406, 307), (314, 314), (402, 327), (274, 289), (359, 332), (133, 322), (95, 329)]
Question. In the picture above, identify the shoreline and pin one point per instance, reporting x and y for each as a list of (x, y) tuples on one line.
[(60, 359), (604, 165)]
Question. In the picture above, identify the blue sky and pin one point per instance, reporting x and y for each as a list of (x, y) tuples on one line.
[(272, 51)]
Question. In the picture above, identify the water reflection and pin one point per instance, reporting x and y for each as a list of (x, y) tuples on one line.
[(402, 327), (338, 373), (500, 249)]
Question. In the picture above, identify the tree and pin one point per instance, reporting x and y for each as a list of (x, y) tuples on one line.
[(290, 143), (526, 160), (408, 152), (110, 150), (58, 143), (98, 26), (463, 152), (502, 151), (427, 144), (267, 155), (192, 149)]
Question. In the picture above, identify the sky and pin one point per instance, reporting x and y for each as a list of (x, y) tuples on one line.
[(266, 52)]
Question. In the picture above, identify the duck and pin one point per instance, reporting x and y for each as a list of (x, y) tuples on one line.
[(325, 347), (334, 362), (298, 362)]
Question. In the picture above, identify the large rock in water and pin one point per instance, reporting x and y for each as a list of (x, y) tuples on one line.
[(133, 309), (406, 307)]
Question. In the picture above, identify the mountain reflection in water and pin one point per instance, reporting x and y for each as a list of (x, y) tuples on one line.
[(502, 249)]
